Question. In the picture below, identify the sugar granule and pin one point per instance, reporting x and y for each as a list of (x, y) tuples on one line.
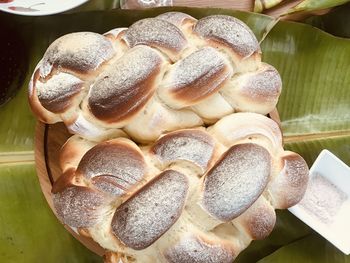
[(323, 199)]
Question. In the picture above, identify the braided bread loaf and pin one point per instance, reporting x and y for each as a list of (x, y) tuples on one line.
[(194, 195), (160, 74)]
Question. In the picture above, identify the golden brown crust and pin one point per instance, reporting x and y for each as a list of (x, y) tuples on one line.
[(64, 181), (259, 219), (195, 146), (228, 31), (41, 113), (160, 74), (176, 18), (57, 94), (156, 33), (113, 166), (124, 89), (164, 74), (132, 205), (195, 78), (264, 85), (78, 52), (256, 91), (290, 185), (72, 152)]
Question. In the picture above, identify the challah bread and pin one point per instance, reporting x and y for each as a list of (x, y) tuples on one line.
[(194, 195), (161, 74)]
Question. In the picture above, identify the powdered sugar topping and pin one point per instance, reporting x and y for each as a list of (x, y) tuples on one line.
[(127, 85), (323, 199), (55, 94), (196, 76), (79, 206), (259, 220), (236, 181), (176, 18), (190, 145), (265, 84), (141, 220), (82, 51), (120, 166), (229, 31), (156, 33), (289, 186), (193, 249)]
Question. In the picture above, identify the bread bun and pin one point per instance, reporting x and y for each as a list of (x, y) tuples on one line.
[(161, 74), (194, 195)]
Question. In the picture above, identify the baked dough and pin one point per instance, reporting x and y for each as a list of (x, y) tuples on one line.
[(194, 195), (161, 74)]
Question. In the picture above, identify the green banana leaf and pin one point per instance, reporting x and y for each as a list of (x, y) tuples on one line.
[(288, 229), (314, 109), (29, 231), (310, 249), (336, 22), (312, 5)]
